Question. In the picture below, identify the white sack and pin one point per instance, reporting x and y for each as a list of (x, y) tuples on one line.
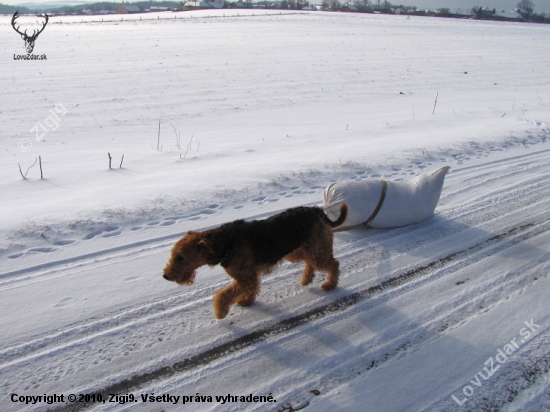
[(405, 203)]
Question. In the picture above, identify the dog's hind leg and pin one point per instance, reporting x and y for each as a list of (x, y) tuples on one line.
[(332, 267), (319, 256)]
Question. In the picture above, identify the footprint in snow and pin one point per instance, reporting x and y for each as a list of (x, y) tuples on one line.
[(93, 234), (42, 249), (111, 228), (208, 212), (169, 222), (112, 231), (64, 242), (111, 234)]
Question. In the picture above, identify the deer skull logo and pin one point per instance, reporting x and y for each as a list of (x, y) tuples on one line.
[(29, 40)]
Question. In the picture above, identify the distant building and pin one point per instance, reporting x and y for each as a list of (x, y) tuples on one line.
[(399, 10), (126, 9), (197, 5), (349, 8)]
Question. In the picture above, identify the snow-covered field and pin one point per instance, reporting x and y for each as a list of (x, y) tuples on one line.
[(259, 112)]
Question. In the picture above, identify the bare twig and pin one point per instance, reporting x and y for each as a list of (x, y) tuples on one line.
[(158, 139), (121, 160), (178, 137), (25, 175), (110, 158), (541, 102), (20, 171), (40, 163), (435, 103), (522, 112)]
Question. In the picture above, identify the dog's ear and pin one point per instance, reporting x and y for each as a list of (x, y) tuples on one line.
[(207, 245)]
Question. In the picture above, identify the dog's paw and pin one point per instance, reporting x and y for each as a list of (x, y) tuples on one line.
[(221, 313), (246, 301), (328, 286), (306, 280)]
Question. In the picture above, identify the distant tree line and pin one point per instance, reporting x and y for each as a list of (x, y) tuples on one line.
[(94, 7), (5, 9)]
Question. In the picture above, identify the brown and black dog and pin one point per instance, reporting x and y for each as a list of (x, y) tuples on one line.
[(247, 250)]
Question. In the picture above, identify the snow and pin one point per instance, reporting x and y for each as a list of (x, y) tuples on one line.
[(258, 112)]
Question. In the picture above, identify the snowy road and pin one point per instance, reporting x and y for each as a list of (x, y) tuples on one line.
[(413, 308)]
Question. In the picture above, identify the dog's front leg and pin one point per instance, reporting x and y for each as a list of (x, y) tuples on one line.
[(242, 292), (250, 290), (224, 298)]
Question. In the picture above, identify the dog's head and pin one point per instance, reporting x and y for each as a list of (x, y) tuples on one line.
[(188, 254)]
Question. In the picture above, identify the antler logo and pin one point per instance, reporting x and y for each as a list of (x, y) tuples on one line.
[(29, 40)]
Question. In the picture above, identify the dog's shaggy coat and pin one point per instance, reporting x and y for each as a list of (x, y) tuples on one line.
[(247, 250)]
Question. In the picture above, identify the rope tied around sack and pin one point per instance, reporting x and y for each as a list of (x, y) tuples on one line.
[(379, 205)]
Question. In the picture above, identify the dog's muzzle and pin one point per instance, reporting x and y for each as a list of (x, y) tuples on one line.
[(188, 280)]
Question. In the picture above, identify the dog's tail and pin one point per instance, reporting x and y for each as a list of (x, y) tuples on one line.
[(341, 218)]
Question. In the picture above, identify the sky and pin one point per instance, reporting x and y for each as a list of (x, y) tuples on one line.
[(541, 6)]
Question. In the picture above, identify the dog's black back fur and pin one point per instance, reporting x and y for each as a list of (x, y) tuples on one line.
[(268, 240)]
